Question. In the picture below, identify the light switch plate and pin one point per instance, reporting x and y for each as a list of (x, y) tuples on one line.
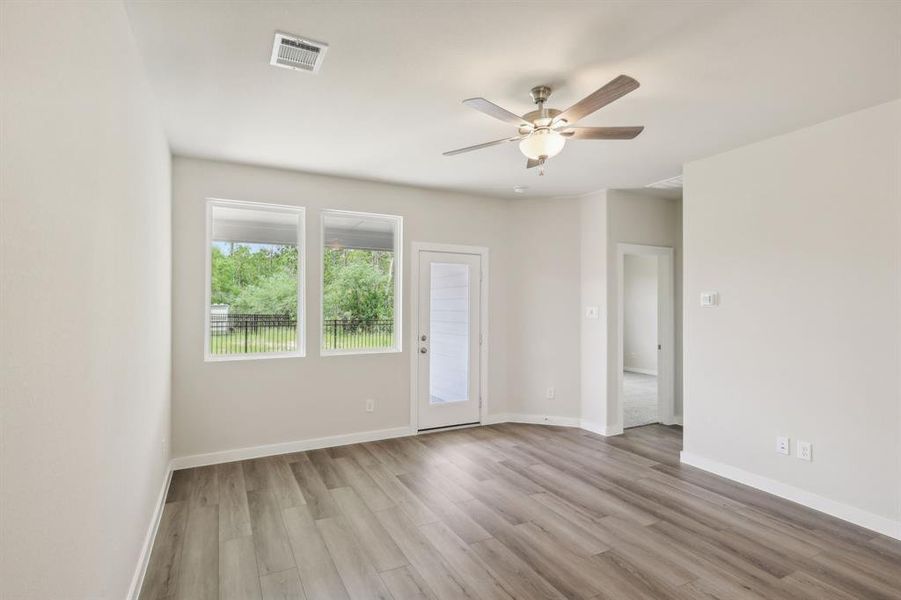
[(591, 312), (783, 445)]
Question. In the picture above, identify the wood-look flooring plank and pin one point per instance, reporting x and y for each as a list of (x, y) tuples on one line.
[(283, 483), (198, 576), (406, 584), (372, 537), (464, 562), (370, 492), (239, 578), (560, 569), (443, 509), (402, 496), (283, 585), (359, 576), (315, 566), (324, 465), (270, 537), (234, 514), (205, 488), (423, 557), (315, 492), (180, 486), (521, 579), (161, 578)]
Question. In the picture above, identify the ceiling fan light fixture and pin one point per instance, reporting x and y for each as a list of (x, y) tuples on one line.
[(542, 143)]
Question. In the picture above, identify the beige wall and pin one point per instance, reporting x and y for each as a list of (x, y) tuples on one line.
[(85, 305), (230, 405), (801, 236), (640, 313), (641, 217)]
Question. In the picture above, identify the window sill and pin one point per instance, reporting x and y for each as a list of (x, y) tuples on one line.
[(241, 357), (363, 351)]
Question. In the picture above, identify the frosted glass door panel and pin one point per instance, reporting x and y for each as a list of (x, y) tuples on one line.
[(449, 326)]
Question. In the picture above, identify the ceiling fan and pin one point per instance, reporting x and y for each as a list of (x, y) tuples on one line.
[(542, 133)]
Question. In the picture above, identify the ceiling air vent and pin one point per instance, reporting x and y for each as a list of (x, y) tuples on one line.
[(300, 54)]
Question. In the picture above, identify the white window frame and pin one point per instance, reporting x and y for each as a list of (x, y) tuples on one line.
[(398, 222), (301, 276)]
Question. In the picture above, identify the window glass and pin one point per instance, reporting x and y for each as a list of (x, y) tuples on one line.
[(254, 285), (360, 279)]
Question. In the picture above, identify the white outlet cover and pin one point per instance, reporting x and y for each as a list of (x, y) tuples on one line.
[(550, 393), (783, 445), (805, 450)]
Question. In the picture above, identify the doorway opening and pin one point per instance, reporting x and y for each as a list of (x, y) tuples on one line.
[(646, 332), (640, 401)]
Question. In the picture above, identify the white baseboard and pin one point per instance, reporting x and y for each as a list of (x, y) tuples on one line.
[(598, 428), (605, 430), (541, 420), (836, 509), (641, 371), (144, 558), (224, 456)]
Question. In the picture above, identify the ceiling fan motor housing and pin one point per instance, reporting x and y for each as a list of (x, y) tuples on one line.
[(540, 94)]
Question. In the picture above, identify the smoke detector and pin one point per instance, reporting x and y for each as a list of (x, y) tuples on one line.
[(297, 53)]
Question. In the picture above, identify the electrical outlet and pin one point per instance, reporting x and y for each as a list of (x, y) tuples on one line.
[(783, 445), (370, 405), (805, 450), (550, 393)]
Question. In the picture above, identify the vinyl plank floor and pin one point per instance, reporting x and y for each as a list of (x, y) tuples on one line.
[(498, 512)]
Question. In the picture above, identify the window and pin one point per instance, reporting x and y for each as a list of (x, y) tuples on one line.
[(361, 282), (254, 280)]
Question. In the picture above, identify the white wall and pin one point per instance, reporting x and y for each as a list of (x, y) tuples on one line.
[(85, 305), (221, 406), (640, 313), (801, 236), (543, 303), (653, 218), (593, 273)]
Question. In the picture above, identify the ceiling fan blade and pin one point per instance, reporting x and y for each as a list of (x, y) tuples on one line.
[(614, 90), (515, 138), (532, 163), (493, 110), (602, 133)]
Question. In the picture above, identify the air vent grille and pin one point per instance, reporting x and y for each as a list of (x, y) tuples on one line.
[(301, 54)]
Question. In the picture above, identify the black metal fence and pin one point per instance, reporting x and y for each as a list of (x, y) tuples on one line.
[(350, 334), (247, 334)]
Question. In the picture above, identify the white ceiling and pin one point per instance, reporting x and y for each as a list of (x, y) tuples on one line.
[(386, 104)]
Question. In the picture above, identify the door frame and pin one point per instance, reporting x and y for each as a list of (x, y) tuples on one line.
[(666, 325), (481, 251)]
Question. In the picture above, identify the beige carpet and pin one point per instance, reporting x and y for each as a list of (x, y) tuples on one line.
[(639, 399)]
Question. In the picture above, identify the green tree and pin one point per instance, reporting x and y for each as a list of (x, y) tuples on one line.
[(275, 294), (358, 284), (254, 280)]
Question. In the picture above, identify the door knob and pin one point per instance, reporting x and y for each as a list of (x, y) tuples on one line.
[(423, 350)]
